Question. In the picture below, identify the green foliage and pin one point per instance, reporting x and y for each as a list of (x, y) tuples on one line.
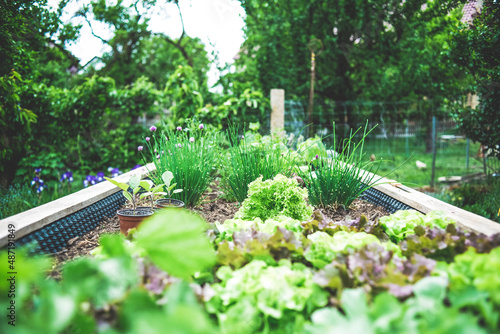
[(134, 183), (401, 224), (163, 238), (482, 199), (371, 49), (183, 90), (249, 106), (15, 123), (191, 154), (17, 198), (271, 298), (280, 196), (476, 50), (341, 179), (119, 278), (423, 313), (325, 247), (252, 160)]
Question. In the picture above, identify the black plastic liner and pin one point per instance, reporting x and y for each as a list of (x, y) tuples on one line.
[(54, 237), (377, 197)]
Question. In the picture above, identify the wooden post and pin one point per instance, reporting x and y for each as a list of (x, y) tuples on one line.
[(277, 110)]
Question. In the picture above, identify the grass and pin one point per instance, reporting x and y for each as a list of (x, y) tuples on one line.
[(450, 159)]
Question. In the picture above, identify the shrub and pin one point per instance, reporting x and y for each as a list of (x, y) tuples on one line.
[(280, 196)]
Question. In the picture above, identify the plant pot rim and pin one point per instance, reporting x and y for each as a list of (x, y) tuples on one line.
[(174, 203), (139, 212)]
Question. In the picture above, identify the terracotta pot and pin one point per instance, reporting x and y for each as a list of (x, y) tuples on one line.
[(130, 220), (166, 203)]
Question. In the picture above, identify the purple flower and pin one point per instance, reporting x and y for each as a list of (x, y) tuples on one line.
[(179, 145), (99, 177), (114, 172), (155, 150), (179, 128), (158, 156), (201, 126), (152, 128), (136, 166), (191, 139), (67, 176), (35, 180), (140, 148), (317, 156), (242, 137), (148, 139), (38, 170)]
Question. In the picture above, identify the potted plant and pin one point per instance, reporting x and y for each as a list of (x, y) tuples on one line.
[(167, 177), (152, 191), (131, 218)]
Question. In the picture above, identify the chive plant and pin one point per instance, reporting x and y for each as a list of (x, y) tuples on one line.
[(248, 161), (341, 179), (190, 154)]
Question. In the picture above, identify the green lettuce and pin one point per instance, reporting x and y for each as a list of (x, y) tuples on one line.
[(264, 294), (325, 247), (269, 199), (403, 222)]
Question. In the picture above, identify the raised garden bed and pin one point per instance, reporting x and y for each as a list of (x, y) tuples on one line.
[(83, 218)]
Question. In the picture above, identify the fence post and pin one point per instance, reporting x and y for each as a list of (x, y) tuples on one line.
[(434, 149), (467, 148), (277, 110)]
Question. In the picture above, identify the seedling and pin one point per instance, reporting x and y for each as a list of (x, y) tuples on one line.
[(134, 183), (167, 177), (152, 190)]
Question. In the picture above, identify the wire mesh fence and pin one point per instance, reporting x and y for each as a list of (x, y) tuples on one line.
[(402, 136)]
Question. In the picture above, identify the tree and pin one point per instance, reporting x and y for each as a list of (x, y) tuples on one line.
[(360, 38), (477, 50), (136, 51)]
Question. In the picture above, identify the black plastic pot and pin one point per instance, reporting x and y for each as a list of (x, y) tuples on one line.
[(166, 203)]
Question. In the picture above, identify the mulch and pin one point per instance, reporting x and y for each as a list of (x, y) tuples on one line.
[(213, 208)]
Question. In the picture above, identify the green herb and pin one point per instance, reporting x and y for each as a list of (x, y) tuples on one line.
[(341, 179)]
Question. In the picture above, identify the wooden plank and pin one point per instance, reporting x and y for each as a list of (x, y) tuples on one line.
[(43, 215), (425, 203)]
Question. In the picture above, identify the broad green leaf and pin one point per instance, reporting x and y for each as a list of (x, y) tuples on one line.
[(167, 177), (136, 190), (121, 185), (134, 181), (175, 242), (149, 193), (146, 184), (127, 195)]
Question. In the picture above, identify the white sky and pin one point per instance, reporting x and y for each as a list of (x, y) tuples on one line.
[(217, 22)]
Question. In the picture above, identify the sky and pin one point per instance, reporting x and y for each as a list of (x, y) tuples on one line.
[(218, 23)]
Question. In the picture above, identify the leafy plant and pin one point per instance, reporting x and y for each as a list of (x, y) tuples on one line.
[(280, 196), (134, 183), (152, 190), (191, 155), (403, 222), (249, 161), (342, 179), (270, 298)]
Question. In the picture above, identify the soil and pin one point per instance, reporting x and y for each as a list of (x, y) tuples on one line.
[(213, 208)]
